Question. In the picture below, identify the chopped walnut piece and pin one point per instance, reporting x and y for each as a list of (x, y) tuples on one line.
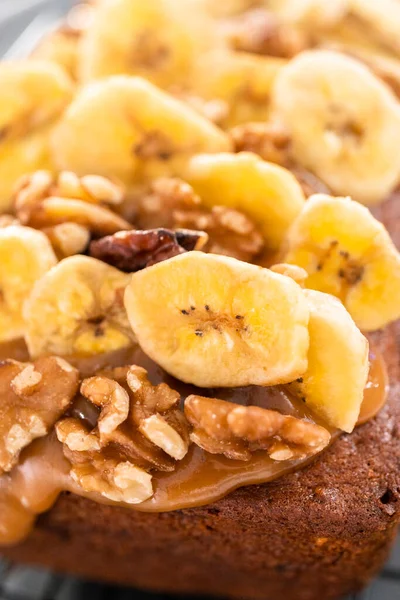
[(68, 238), (221, 427), (259, 31), (172, 203), (44, 201), (34, 396), (272, 142), (140, 428), (134, 250), (117, 481)]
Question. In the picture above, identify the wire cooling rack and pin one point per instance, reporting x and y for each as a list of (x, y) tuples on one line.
[(22, 24)]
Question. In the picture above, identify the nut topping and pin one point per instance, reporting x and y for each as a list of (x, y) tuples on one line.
[(259, 31), (272, 142), (33, 396), (42, 201), (68, 239), (140, 428), (172, 203), (236, 431), (134, 250)]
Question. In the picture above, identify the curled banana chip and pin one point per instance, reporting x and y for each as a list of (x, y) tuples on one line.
[(156, 39), (344, 123), (26, 255), (349, 254), (243, 325), (77, 309), (126, 128), (33, 95)]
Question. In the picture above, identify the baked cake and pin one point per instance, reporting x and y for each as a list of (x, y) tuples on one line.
[(200, 285)]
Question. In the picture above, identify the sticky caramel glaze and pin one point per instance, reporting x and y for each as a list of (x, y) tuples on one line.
[(200, 478)]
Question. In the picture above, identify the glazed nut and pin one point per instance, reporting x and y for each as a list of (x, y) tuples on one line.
[(76, 436), (113, 400), (271, 141), (102, 189), (29, 191), (127, 401), (221, 427), (131, 251), (139, 429), (43, 201), (34, 396), (91, 188), (68, 239), (158, 431), (172, 203), (117, 481), (260, 32)]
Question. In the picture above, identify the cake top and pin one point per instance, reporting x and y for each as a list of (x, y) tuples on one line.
[(190, 271)]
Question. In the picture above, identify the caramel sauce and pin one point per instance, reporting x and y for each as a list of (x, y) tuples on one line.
[(200, 478)]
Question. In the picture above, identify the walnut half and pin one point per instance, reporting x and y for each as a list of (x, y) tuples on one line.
[(221, 427), (33, 397), (140, 428)]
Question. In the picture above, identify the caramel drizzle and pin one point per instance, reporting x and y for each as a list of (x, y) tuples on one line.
[(200, 478)]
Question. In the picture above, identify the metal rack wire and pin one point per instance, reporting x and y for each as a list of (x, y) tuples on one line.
[(22, 24)]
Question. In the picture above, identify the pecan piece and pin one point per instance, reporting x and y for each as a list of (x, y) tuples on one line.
[(172, 203), (134, 250), (221, 427), (43, 201), (34, 396), (140, 428)]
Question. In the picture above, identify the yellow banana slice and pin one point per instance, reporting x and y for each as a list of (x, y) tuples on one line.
[(26, 255), (269, 194), (33, 95), (215, 321), (77, 309), (128, 129), (241, 79), (227, 8), (60, 47), (344, 123), (333, 385), (383, 19), (349, 254), (156, 39)]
